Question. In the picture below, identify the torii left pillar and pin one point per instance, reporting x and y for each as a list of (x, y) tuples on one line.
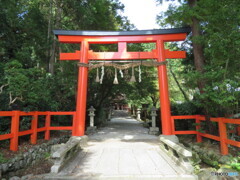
[(79, 122)]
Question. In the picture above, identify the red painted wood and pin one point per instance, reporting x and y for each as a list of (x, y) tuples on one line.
[(61, 128), (198, 127), (184, 117), (175, 54), (201, 118), (232, 121), (167, 126), (21, 113), (123, 55), (61, 113), (33, 131), (116, 39), (74, 121), (79, 121), (222, 131), (84, 55), (185, 132), (70, 56), (34, 126), (173, 124), (210, 136), (14, 131), (47, 125), (6, 113), (223, 136), (233, 143), (122, 47), (5, 136), (42, 129), (27, 132)]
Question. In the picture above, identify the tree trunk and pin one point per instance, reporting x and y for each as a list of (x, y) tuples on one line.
[(178, 84), (197, 47), (58, 13), (104, 94), (49, 33), (199, 61), (154, 100)]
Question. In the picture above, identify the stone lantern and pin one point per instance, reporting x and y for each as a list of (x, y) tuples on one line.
[(110, 109), (91, 115), (139, 114), (154, 130)]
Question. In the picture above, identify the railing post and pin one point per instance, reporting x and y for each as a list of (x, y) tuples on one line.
[(14, 130), (74, 119), (47, 125), (173, 125), (223, 136), (199, 138), (34, 125)]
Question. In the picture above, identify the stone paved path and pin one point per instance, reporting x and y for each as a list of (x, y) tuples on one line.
[(122, 150)]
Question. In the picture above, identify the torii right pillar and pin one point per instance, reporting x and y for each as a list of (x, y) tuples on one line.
[(167, 128)]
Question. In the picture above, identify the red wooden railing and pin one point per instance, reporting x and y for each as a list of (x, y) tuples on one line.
[(15, 133), (222, 129)]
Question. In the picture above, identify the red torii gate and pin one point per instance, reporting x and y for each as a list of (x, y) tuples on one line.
[(84, 38)]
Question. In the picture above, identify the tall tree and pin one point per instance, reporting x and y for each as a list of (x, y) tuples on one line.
[(214, 46), (28, 47)]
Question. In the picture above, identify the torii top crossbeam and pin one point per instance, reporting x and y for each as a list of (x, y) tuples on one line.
[(85, 38), (122, 38)]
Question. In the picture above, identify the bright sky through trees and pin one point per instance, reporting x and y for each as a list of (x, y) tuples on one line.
[(142, 13)]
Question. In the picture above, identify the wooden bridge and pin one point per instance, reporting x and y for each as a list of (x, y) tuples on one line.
[(122, 150)]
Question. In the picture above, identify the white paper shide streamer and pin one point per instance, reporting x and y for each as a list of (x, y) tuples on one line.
[(121, 73), (102, 75), (133, 79), (115, 81), (97, 77), (140, 74)]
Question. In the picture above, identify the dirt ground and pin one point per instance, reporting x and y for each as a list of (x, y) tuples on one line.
[(40, 167)]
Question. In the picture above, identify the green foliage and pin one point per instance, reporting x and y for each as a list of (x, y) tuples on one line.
[(30, 78), (221, 98), (235, 163), (47, 155), (34, 88), (101, 116), (186, 108), (2, 159), (235, 166), (220, 95)]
